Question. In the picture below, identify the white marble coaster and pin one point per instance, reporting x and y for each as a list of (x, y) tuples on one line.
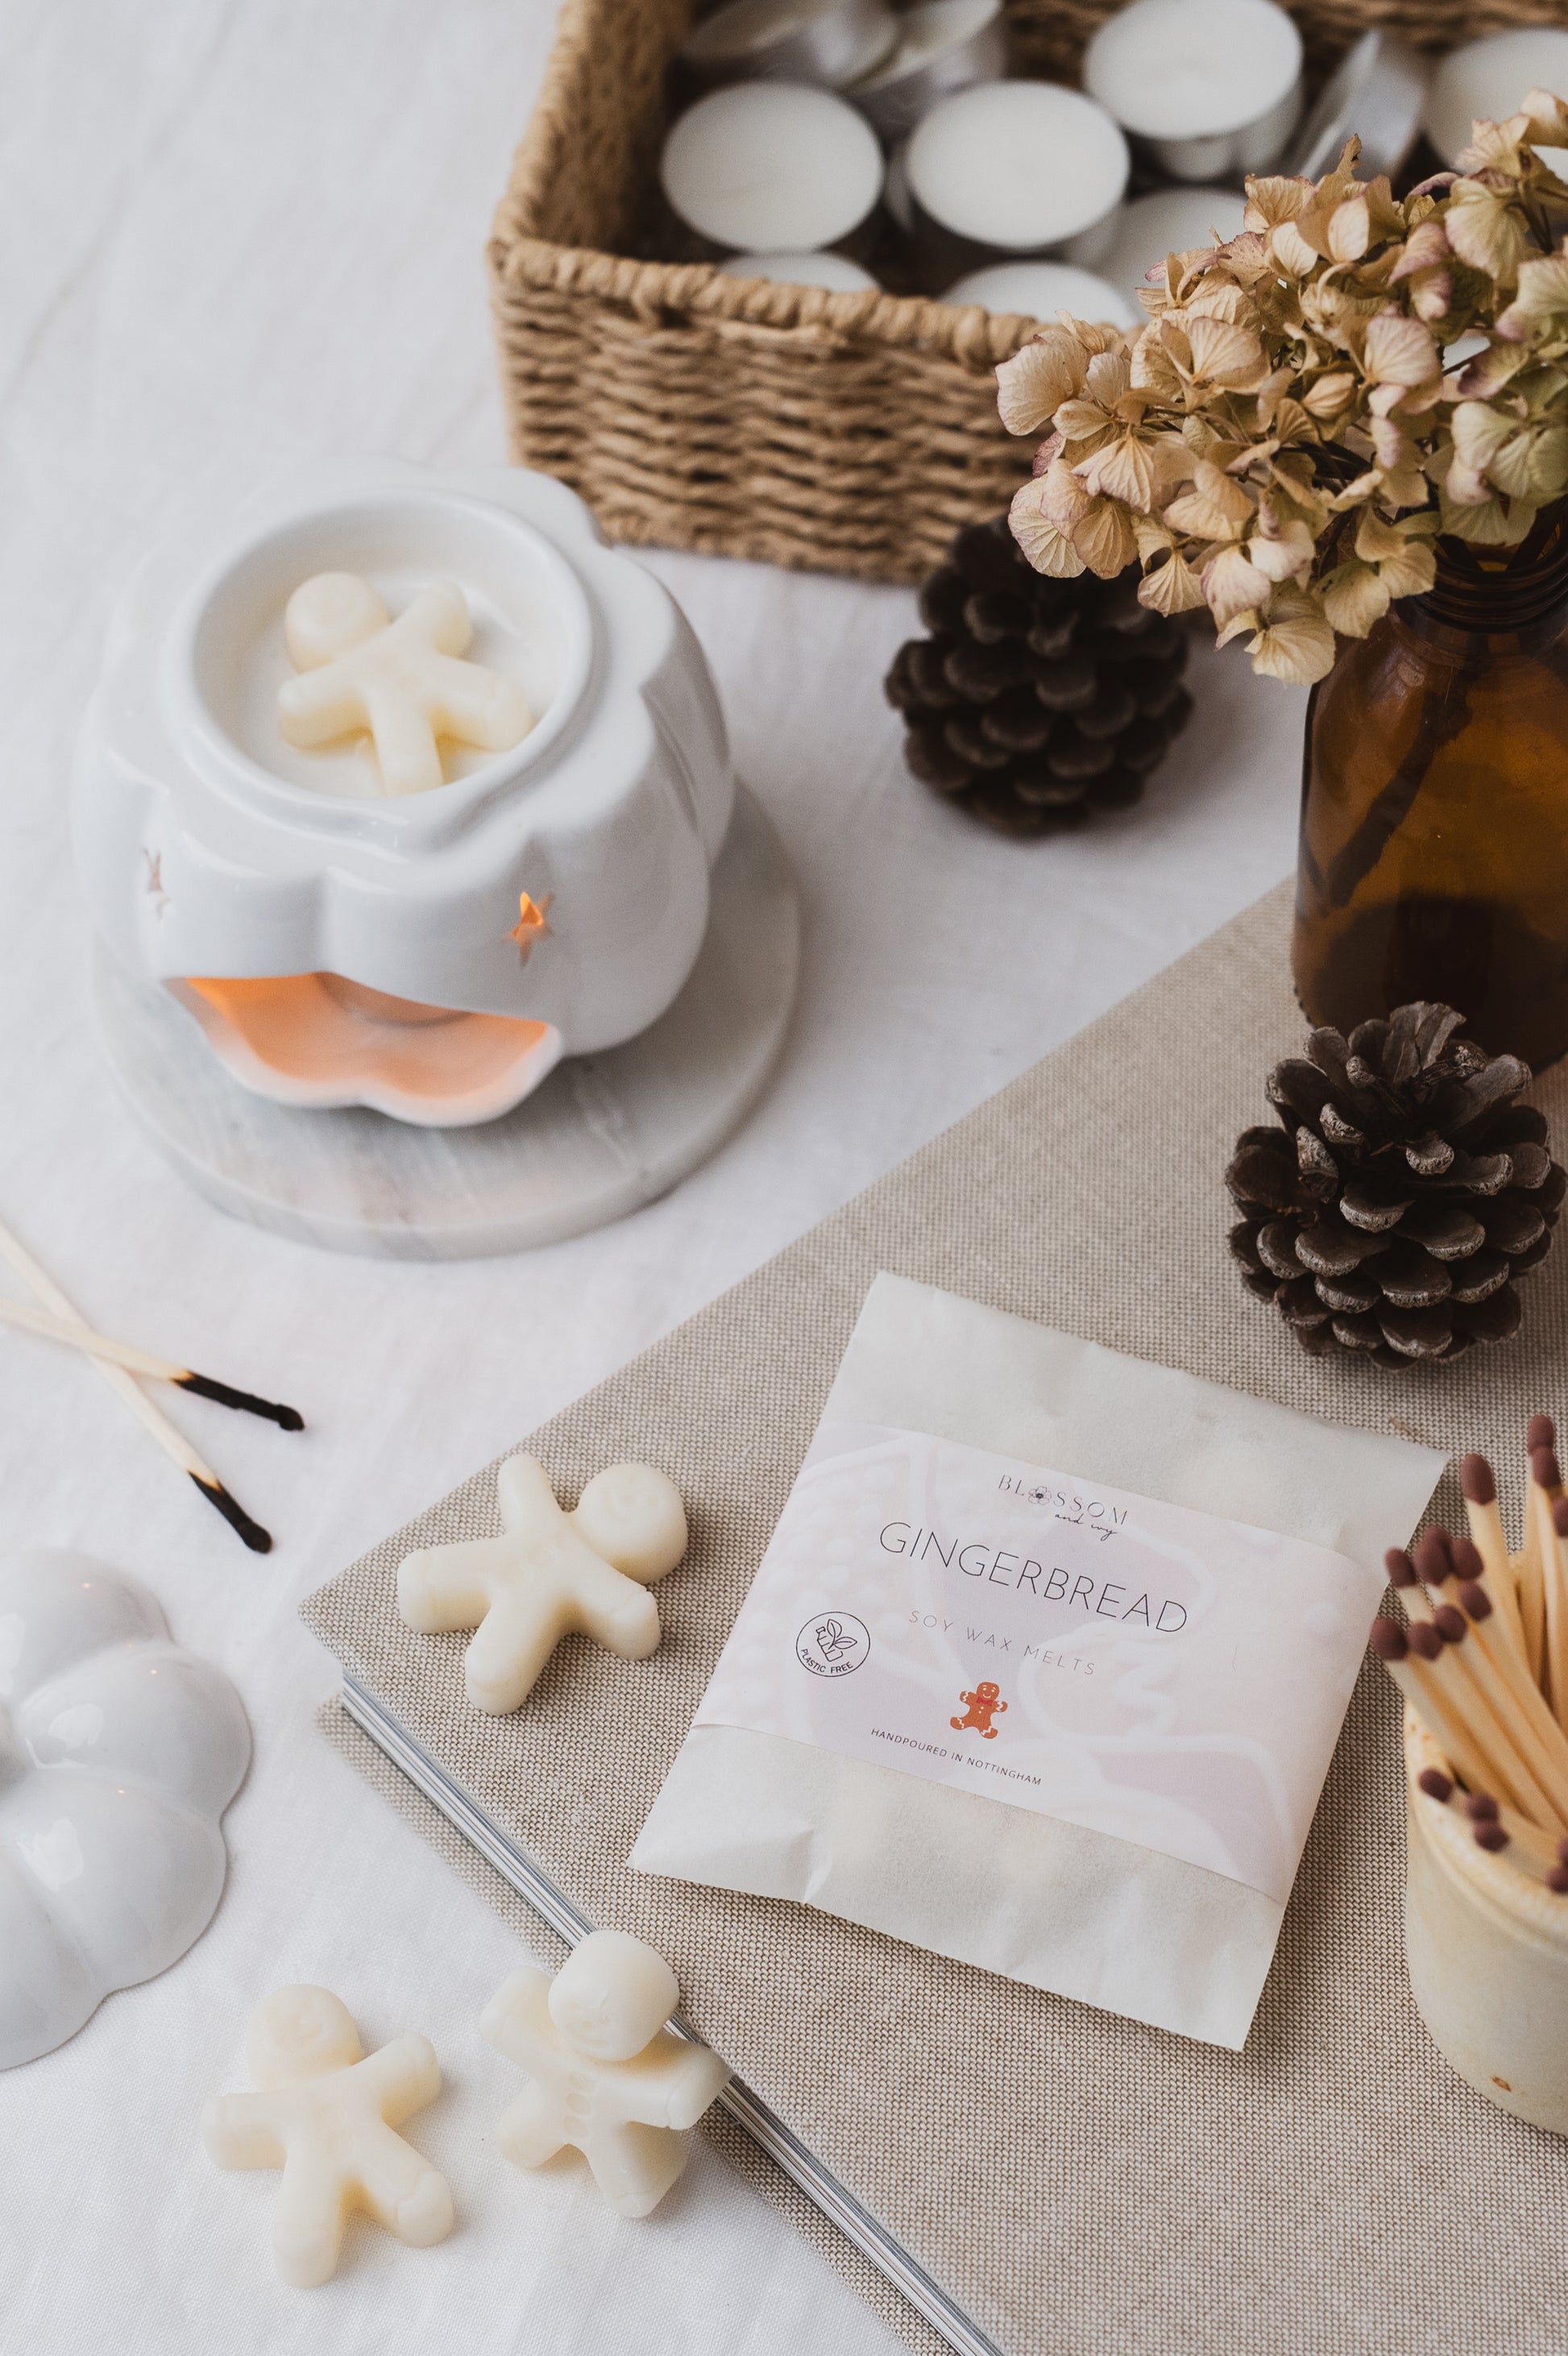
[(603, 1135)]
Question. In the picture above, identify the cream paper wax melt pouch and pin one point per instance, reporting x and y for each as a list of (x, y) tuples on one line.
[(1045, 1663)]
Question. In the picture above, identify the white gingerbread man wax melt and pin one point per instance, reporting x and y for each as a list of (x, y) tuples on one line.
[(610, 2078), (550, 1573), (326, 2114), (404, 682)]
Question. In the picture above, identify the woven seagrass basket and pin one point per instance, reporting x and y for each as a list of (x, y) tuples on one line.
[(842, 433)]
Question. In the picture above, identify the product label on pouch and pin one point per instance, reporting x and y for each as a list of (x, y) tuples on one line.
[(1142, 1669)]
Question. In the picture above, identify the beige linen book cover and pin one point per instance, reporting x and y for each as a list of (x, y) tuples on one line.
[(1075, 2184)]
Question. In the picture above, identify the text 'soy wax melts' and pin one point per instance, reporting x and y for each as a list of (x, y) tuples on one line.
[(550, 1574), (1020, 167), (326, 2115), (404, 683), (772, 168), (1486, 81), (1045, 1663), (610, 2078), (1040, 289), (943, 45), (829, 42), (1210, 86), (833, 272), (1171, 221)]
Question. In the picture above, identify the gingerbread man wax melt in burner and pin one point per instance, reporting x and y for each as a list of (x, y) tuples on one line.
[(406, 787)]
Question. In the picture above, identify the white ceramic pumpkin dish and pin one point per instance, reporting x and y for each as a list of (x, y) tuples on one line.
[(119, 1753)]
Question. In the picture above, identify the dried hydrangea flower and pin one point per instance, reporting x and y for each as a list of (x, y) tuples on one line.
[(1282, 441)]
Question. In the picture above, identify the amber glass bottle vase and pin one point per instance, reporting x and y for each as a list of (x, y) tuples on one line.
[(1434, 857)]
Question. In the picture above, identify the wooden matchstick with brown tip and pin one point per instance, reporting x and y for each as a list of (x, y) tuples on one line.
[(1554, 1582), (1510, 1693), (1545, 1483), (1475, 1702), (1450, 1731), (1490, 1685), (1480, 1494), (1494, 1828)]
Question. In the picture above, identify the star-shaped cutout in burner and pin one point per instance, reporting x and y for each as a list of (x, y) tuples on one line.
[(530, 928)]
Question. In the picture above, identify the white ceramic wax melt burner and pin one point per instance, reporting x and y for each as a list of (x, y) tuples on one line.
[(237, 827), (405, 786)]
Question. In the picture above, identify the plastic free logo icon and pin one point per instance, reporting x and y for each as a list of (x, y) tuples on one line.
[(833, 1645)]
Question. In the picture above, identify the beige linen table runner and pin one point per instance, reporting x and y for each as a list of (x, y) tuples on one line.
[(1079, 2184)]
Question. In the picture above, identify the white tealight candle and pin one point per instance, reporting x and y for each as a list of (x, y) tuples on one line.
[(772, 168), (834, 270), (1040, 289), (944, 45), (1484, 80), (1019, 165), (1172, 220), (1213, 86)]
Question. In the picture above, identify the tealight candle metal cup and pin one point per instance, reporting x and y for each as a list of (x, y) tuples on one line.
[(827, 42), (1377, 92), (1207, 88), (771, 167), (944, 46), (1012, 168), (1484, 80), (1487, 1947)]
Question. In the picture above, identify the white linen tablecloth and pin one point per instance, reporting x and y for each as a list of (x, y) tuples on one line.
[(233, 234)]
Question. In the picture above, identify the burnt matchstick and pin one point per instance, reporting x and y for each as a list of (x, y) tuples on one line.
[(25, 1319), (172, 1442)]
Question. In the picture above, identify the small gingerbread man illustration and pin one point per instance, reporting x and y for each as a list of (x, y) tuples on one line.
[(326, 2114), (985, 1703), (608, 2078)]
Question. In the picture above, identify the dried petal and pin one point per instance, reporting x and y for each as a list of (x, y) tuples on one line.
[(1400, 350), (1104, 538), (1232, 585), (1048, 549), (1033, 384), (1172, 587), (1297, 643), (1121, 470)]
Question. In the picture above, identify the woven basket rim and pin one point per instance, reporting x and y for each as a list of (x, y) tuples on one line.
[(968, 332)]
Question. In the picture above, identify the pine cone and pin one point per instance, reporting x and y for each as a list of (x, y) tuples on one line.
[(1405, 1190), (1036, 700)]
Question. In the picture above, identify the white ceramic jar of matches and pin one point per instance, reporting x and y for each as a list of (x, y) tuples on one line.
[(409, 767), (1487, 1947), (1210, 89)]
